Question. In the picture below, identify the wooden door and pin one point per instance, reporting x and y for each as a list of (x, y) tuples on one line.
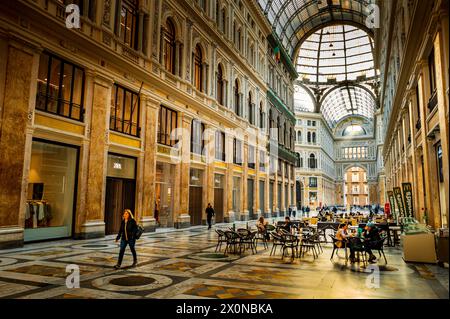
[(195, 204), (120, 195)]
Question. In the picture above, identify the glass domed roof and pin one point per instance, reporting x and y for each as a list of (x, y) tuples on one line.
[(292, 20), (336, 54)]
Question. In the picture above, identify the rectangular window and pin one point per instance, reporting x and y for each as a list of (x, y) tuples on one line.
[(279, 168), (129, 23), (220, 145), (262, 161), (60, 88), (237, 151), (251, 156), (167, 123), (197, 141), (432, 70), (125, 109), (313, 182)]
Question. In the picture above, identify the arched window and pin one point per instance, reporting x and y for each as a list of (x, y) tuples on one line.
[(217, 13), (312, 161), (169, 46), (224, 21), (291, 138), (198, 68), (220, 85), (239, 39), (280, 130), (251, 113), (197, 141), (237, 97), (314, 137), (262, 116), (308, 137), (299, 136)]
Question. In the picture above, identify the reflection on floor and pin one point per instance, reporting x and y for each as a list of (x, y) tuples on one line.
[(184, 264)]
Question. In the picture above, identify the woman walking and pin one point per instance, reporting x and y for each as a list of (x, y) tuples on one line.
[(127, 232)]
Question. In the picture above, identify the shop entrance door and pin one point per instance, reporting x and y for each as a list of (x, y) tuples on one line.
[(195, 204), (120, 195), (218, 204)]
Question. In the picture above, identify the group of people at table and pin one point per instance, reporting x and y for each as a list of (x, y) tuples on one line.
[(365, 238)]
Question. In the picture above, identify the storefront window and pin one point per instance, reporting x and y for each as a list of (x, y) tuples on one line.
[(218, 181), (51, 191), (165, 175)]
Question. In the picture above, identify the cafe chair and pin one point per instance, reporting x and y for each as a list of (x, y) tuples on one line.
[(221, 239), (378, 246), (336, 248), (277, 241), (262, 236), (232, 241), (290, 242)]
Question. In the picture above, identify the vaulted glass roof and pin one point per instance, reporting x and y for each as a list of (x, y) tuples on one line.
[(335, 54), (346, 101), (292, 20)]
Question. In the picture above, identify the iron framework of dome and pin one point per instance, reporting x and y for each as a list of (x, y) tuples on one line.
[(345, 101), (292, 20), (336, 54)]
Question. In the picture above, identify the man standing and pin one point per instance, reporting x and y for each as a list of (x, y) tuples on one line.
[(209, 214)]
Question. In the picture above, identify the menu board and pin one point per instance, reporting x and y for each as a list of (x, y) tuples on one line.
[(399, 200), (407, 194), (391, 201)]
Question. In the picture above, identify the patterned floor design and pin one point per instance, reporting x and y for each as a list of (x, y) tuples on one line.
[(183, 264)]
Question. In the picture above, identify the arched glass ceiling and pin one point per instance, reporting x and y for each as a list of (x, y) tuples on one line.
[(303, 102), (336, 53), (347, 101), (293, 19)]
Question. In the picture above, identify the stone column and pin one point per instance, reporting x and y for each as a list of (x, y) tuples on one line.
[(19, 79), (244, 194), (275, 209), (209, 137), (283, 190), (182, 218), (229, 215), (188, 47), (149, 170), (141, 31), (92, 220), (256, 204), (441, 56)]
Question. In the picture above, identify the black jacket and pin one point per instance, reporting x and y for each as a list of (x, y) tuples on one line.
[(209, 212), (131, 230)]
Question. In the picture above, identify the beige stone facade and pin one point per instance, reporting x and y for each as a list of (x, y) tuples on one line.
[(111, 62)]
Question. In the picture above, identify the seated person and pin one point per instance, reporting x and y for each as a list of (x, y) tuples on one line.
[(287, 224), (371, 235), (342, 235), (261, 225)]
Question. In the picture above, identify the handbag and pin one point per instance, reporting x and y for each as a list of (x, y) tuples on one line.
[(139, 231)]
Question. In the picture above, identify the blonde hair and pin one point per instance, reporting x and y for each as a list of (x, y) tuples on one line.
[(129, 212)]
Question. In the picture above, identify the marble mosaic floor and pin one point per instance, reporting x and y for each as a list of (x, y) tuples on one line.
[(184, 264)]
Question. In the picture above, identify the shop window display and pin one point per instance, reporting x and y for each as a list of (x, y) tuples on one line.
[(51, 191)]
